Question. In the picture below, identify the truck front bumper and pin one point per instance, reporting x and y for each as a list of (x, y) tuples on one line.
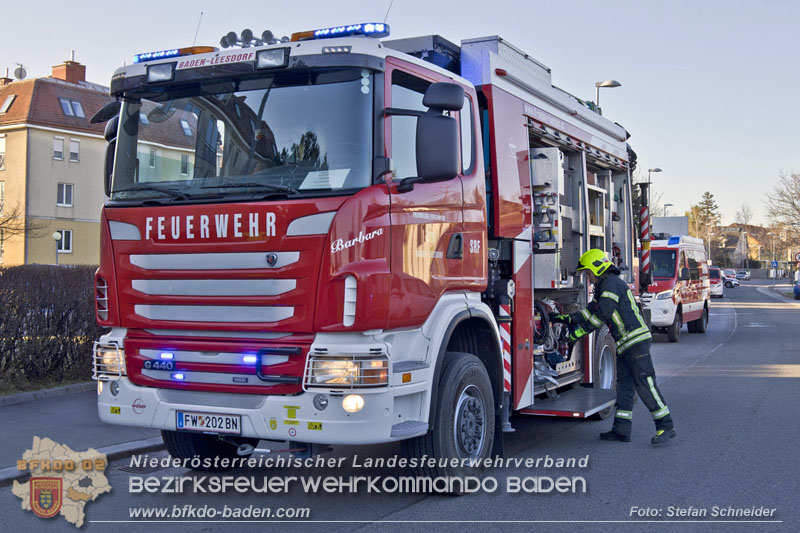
[(662, 312), (278, 418)]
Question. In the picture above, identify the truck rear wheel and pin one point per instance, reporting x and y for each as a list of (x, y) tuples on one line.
[(701, 324), (674, 330), (185, 445), (604, 366), (463, 421)]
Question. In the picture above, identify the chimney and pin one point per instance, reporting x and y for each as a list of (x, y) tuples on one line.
[(5, 80), (70, 71)]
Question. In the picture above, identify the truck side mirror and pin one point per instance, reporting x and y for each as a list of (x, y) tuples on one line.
[(110, 135), (684, 274), (437, 134)]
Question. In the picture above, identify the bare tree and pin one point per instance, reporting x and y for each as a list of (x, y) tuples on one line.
[(744, 215), (783, 202), (13, 222)]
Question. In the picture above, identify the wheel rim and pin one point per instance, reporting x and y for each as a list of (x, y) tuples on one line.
[(469, 431), (605, 370)]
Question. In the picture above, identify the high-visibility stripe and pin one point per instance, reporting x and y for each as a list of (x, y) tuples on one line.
[(633, 333), (586, 314), (628, 415), (596, 321), (661, 413), (618, 321), (609, 294), (636, 309), (636, 340), (652, 385)]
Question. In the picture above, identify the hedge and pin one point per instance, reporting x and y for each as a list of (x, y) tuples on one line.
[(47, 325)]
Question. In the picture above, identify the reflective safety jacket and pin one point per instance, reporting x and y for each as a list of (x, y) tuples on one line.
[(614, 304)]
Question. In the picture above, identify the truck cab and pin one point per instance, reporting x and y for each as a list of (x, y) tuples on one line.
[(680, 292)]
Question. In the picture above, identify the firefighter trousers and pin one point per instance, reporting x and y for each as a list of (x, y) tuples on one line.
[(635, 374)]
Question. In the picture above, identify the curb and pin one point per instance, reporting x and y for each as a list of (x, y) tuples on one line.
[(115, 451), (32, 396)]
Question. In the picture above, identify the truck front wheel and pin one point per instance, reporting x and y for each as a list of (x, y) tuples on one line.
[(604, 367), (463, 421), (185, 445), (674, 330)]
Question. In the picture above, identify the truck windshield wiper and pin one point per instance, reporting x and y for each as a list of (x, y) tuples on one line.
[(171, 192), (272, 186)]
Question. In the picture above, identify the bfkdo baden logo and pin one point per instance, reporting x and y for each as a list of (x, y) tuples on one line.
[(46, 493), (62, 481)]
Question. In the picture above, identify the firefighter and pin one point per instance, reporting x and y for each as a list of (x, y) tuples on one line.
[(614, 304)]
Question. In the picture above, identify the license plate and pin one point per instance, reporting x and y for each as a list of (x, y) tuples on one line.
[(208, 422)]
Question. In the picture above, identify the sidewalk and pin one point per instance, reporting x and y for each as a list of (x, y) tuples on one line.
[(69, 419)]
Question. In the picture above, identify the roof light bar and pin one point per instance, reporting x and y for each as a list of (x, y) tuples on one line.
[(369, 29), (175, 52)]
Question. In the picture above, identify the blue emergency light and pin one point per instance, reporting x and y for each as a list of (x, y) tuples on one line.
[(675, 239), (369, 29), (152, 56)]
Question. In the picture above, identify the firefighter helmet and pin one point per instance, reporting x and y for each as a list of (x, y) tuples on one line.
[(594, 261)]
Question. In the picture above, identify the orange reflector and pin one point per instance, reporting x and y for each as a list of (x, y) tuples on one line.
[(302, 36), (192, 50), (406, 377)]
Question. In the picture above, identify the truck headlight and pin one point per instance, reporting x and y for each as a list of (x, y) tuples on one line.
[(347, 372), (108, 362), (664, 295)]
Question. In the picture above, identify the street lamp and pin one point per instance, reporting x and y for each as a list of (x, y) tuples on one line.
[(57, 237), (665, 208), (649, 194), (772, 258), (597, 85)]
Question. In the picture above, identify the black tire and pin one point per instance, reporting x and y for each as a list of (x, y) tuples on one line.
[(465, 396), (729, 284), (674, 330), (701, 324), (185, 445), (691, 327), (604, 367)]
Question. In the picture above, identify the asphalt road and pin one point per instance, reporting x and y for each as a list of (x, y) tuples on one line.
[(734, 396)]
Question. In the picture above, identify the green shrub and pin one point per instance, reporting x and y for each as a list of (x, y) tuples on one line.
[(47, 325)]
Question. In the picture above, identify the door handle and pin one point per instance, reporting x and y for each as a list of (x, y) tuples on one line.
[(455, 249)]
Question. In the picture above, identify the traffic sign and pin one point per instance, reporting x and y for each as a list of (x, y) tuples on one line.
[(774, 264), (797, 256)]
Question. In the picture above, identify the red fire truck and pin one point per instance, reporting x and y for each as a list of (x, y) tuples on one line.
[(342, 239)]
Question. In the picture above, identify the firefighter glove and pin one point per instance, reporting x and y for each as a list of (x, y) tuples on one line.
[(560, 319), (577, 333)]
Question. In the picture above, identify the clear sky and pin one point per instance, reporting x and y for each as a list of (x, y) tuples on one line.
[(710, 89)]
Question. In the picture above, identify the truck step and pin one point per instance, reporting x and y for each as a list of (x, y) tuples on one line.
[(582, 402)]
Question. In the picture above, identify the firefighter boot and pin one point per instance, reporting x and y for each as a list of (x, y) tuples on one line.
[(613, 435), (662, 436)]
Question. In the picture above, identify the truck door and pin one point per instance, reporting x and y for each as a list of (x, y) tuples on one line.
[(428, 243)]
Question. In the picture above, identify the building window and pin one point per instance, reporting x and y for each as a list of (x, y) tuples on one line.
[(58, 148), (71, 108), (64, 194), (74, 150), (152, 158), (185, 164), (2, 195), (7, 103), (2, 152), (187, 130), (65, 243)]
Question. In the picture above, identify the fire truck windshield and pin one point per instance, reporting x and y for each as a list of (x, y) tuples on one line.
[(297, 133)]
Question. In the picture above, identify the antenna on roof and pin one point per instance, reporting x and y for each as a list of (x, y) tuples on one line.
[(20, 72), (387, 11), (198, 28)]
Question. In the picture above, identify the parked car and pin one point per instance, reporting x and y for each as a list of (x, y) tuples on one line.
[(743, 275), (731, 282), (715, 278), (797, 290)]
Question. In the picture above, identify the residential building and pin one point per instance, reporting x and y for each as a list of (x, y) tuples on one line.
[(51, 161)]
